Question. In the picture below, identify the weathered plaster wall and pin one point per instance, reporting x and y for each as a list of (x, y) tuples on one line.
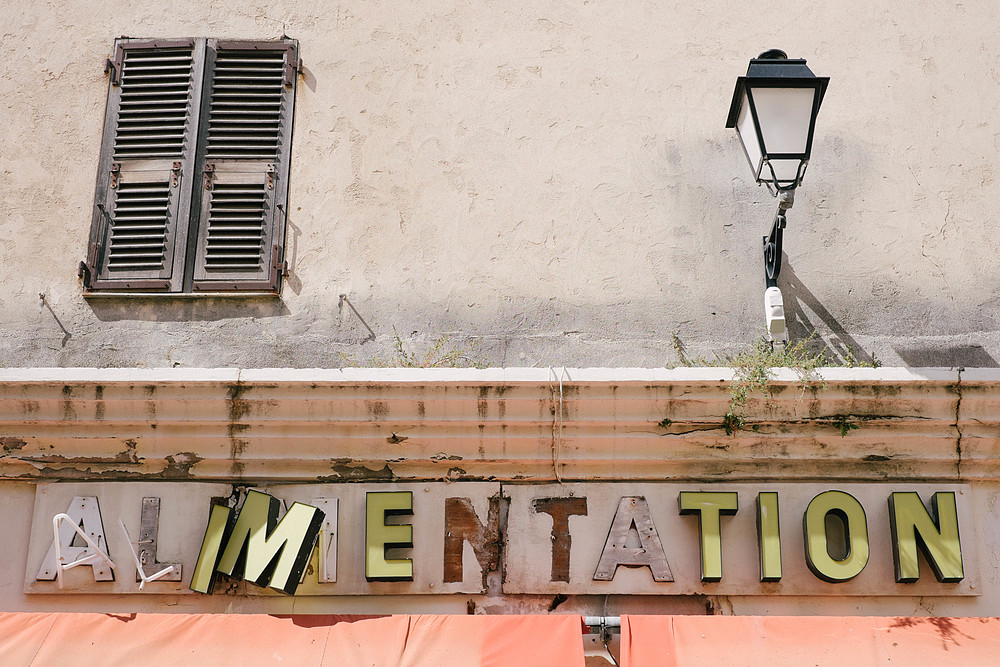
[(551, 180)]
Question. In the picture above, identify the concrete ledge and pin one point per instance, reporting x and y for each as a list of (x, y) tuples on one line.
[(263, 425), (681, 374)]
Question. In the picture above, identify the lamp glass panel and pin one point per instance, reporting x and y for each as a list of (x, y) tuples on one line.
[(784, 115), (786, 171), (745, 128)]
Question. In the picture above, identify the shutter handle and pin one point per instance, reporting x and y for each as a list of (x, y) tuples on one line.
[(175, 173), (116, 172), (270, 177), (209, 170)]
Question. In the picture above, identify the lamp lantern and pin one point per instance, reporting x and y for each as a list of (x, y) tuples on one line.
[(774, 111)]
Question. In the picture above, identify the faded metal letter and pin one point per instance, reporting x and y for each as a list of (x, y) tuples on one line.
[(85, 512), (149, 528), (462, 525), (328, 541), (633, 511), (561, 509)]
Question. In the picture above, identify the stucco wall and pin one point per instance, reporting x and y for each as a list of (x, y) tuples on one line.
[(552, 181)]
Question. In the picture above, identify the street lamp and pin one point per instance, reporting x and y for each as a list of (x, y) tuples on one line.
[(774, 113)]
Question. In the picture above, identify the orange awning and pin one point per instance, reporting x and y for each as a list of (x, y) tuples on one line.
[(775, 641), (172, 640)]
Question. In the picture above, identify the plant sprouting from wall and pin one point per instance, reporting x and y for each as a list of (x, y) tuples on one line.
[(754, 369), (441, 353)]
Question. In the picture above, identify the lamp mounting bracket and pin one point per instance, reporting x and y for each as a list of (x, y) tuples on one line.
[(772, 242)]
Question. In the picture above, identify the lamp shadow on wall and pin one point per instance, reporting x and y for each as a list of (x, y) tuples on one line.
[(843, 347)]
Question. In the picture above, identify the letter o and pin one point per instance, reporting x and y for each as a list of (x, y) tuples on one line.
[(818, 558)]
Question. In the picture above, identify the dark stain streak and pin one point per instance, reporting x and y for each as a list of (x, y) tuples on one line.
[(876, 457), (69, 414), (99, 407), (179, 465), (946, 628), (11, 444), (129, 454), (351, 470), (238, 409), (556, 601), (396, 439), (710, 427), (377, 410), (441, 456), (483, 404)]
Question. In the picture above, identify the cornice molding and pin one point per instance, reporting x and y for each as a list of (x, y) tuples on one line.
[(514, 425)]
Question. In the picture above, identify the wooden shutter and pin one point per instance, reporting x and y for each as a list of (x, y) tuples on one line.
[(147, 162), (245, 166)]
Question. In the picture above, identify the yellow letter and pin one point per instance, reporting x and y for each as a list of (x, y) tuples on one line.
[(818, 558), (204, 569), (286, 545), (379, 537), (768, 536), (709, 506), (913, 526)]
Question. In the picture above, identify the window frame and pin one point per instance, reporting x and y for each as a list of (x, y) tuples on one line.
[(192, 198)]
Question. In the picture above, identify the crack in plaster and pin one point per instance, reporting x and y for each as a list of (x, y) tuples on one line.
[(958, 426)]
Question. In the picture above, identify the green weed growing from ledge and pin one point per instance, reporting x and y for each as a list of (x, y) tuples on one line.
[(754, 369)]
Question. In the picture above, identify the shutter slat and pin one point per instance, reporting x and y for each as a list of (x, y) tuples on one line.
[(247, 85), (133, 212), (155, 84)]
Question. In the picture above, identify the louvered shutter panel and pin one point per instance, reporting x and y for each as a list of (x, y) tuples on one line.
[(147, 166), (251, 91)]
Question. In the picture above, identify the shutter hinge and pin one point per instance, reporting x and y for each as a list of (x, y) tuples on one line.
[(270, 177), (209, 170), (279, 267), (175, 173), (83, 271), (293, 66), (114, 65), (116, 172)]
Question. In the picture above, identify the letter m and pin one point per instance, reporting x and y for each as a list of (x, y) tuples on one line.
[(268, 552)]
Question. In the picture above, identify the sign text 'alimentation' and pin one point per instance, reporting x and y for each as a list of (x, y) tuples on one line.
[(588, 538)]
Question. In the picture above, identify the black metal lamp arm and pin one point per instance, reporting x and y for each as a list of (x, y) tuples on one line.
[(772, 242)]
